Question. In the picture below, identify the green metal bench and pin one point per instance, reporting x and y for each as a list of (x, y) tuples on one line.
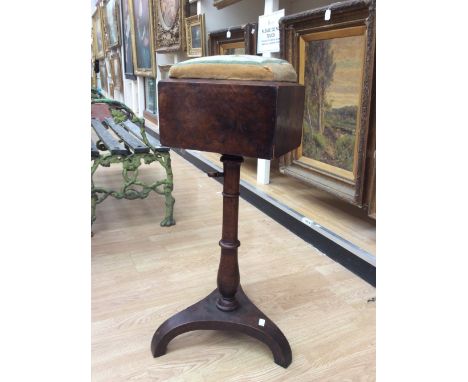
[(124, 139)]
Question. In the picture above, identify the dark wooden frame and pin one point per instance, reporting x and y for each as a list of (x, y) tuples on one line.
[(371, 166), (343, 15), (242, 33)]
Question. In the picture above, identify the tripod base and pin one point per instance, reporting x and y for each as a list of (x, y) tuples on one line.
[(204, 315)]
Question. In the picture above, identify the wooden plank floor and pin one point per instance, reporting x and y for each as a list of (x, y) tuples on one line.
[(340, 217), (142, 274)]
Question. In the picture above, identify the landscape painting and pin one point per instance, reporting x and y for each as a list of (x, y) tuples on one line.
[(333, 72)]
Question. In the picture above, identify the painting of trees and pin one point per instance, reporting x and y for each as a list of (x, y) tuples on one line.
[(320, 68), (332, 73)]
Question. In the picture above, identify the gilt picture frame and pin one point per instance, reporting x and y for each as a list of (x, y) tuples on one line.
[(111, 23), (334, 60), (127, 42), (169, 25), (142, 28), (98, 36), (242, 40), (195, 35), (116, 71)]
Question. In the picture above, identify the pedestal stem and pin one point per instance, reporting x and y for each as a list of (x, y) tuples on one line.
[(228, 271)]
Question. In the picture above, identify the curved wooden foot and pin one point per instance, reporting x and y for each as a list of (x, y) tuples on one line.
[(204, 315)]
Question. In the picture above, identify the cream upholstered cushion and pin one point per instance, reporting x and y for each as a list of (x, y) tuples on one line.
[(235, 67)]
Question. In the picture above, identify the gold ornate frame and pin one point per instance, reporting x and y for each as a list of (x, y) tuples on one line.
[(105, 23), (189, 23), (97, 19), (347, 19), (116, 71), (146, 72), (169, 38)]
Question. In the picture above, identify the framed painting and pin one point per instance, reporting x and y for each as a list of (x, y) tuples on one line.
[(127, 41), (111, 23), (169, 16), (141, 12), (98, 41), (195, 35), (242, 40), (103, 75), (334, 60), (116, 71)]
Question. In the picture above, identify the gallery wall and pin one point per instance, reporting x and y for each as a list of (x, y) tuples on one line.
[(240, 13)]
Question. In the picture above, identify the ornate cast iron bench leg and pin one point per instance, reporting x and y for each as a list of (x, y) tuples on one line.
[(130, 166), (168, 187)]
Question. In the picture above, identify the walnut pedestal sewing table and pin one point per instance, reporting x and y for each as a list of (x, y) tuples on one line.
[(259, 119)]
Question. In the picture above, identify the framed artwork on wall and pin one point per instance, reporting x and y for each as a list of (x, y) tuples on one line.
[(334, 60), (103, 75), (98, 41), (141, 12), (150, 96), (116, 71), (169, 16), (195, 35), (111, 23), (242, 40), (127, 41)]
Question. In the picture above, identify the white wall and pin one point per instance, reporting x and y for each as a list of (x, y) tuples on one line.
[(243, 12), (295, 6)]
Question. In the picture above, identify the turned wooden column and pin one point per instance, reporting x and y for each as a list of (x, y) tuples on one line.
[(228, 271)]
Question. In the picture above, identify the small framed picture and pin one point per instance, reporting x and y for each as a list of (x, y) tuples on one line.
[(116, 72), (195, 35)]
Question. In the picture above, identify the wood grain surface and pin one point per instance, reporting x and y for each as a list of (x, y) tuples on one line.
[(143, 273)]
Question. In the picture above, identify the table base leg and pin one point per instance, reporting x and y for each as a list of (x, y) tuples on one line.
[(204, 315)]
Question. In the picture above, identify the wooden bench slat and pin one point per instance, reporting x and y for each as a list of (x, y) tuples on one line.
[(135, 144), (94, 150), (135, 130), (114, 146)]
